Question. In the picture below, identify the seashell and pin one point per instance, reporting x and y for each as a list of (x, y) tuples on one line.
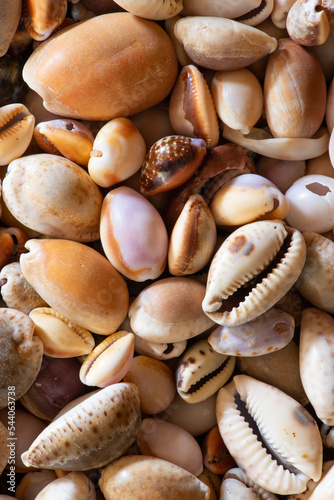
[(278, 440), (157, 10), (286, 84), (41, 18), (193, 238), (298, 148), (69, 138), (4, 448), (261, 199), (311, 203), (123, 63), (316, 361), (9, 19), (202, 371), (307, 23), (169, 310), (32, 483), (329, 115), (216, 456), (325, 487), (71, 211), (320, 165), (181, 54), (238, 98), (157, 438), (280, 12), (78, 282), (56, 384), (282, 173), (80, 13), (252, 270), (16, 291), (60, 337), (331, 148), (17, 127), (133, 234), (117, 153), (213, 481), (222, 44), (268, 332), (149, 476), (293, 304), (237, 485), (153, 124), (21, 354), (159, 351), (109, 361), (74, 485), (155, 383), (279, 368), (197, 418), (170, 162), (191, 109), (97, 430), (311, 485)]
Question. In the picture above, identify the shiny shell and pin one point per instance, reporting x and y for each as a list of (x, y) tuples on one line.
[(220, 44), (9, 19), (307, 22), (156, 10), (109, 361), (269, 332), (191, 109), (60, 337), (78, 282), (170, 162), (216, 457), (252, 270), (92, 432), (73, 485), (237, 485), (42, 17), (289, 436), (149, 476), (70, 211), (193, 238), (117, 153), (17, 128), (202, 371), (169, 310), (133, 234), (21, 355)]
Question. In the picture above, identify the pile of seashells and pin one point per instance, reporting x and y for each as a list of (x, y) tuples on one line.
[(167, 202)]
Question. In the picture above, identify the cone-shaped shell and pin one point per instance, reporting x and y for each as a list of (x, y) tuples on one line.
[(123, 65), (252, 270), (291, 433), (98, 429), (78, 282), (149, 477)]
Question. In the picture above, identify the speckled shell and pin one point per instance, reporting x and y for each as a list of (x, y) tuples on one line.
[(123, 63), (169, 310), (17, 128), (202, 371), (269, 332), (71, 211), (252, 270), (156, 10), (307, 22), (148, 477), (73, 485), (78, 282), (95, 430), (220, 44), (291, 433)]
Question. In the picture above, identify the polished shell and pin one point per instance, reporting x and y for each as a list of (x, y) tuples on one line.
[(16, 130), (73, 485), (237, 485), (156, 10), (42, 17), (9, 19)]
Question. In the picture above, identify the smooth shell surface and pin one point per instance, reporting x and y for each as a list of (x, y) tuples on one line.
[(16, 130), (123, 63), (152, 9), (70, 210), (89, 434), (78, 282), (75, 485)]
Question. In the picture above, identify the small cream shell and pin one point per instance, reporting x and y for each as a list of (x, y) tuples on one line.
[(75, 485), (157, 10), (17, 128)]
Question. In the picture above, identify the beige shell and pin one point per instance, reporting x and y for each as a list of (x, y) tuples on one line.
[(291, 433), (238, 98), (109, 361), (202, 372), (311, 485), (147, 477), (252, 270), (193, 238), (169, 310), (280, 12), (71, 211), (325, 488), (307, 23), (221, 44), (17, 128), (33, 482), (159, 351), (156, 10), (89, 432), (237, 485), (78, 282), (60, 337), (9, 19), (42, 17), (191, 109), (181, 54), (5, 435), (75, 485), (21, 355)]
